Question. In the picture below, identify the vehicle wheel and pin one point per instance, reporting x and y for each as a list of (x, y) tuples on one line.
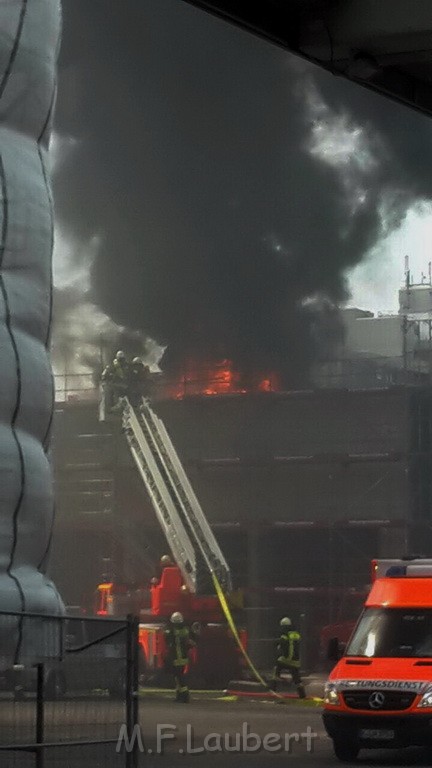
[(345, 751), (55, 686)]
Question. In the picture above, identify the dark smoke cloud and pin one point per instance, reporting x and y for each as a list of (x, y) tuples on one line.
[(193, 167), (401, 137)]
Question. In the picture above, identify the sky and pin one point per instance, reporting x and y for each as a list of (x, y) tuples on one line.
[(374, 284)]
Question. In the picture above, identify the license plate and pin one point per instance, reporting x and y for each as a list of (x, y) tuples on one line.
[(377, 734)]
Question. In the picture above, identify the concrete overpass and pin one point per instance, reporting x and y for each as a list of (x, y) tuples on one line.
[(384, 45)]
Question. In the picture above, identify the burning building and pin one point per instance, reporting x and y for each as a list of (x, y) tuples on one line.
[(301, 488)]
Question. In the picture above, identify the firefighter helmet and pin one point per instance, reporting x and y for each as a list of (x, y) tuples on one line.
[(137, 361), (177, 618), (120, 355), (285, 622), (165, 561)]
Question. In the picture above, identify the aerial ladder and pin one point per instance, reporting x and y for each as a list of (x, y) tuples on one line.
[(192, 542), (201, 569)]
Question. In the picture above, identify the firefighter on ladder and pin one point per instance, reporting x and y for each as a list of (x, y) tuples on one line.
[(288, 647), (139, 382), (115, 380), (179, 641)]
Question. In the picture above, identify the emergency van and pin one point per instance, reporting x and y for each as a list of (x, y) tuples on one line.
[(379, 694)]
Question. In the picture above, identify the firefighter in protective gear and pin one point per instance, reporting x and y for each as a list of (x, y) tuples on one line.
[(115, 380), (118, 366), (120, 370), (288, 647), (178, 642), (117, 370), (139, 381), (165, 562)]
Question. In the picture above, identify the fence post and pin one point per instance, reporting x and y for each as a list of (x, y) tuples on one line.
[(40, 715), (135, 686), (132, 679)]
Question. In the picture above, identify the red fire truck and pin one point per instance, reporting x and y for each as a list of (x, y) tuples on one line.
[(186, 585)]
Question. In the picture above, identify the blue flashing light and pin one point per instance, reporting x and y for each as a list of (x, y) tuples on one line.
[(396, 571)]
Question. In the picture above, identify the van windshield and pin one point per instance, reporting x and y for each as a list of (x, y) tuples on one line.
[(393, 632)]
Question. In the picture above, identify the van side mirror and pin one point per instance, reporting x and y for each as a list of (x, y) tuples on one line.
[(335, 649)]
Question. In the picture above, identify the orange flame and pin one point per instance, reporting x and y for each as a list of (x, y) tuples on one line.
[(220, 378)]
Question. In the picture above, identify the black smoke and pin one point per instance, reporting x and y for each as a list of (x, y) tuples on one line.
[(192, 165)]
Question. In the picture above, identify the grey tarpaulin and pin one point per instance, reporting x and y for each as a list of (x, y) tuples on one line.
[(29, 41)]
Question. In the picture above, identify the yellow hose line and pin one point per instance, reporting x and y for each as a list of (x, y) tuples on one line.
[(233, 628)]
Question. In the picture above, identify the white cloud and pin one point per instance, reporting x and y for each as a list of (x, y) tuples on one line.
[(376, 281)]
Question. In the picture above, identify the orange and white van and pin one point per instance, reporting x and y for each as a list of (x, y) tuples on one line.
[(379, 694)]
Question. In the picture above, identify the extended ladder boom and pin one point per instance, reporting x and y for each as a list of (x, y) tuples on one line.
[(176, 505), (162, 502)]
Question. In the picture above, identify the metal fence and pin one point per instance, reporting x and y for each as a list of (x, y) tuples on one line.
[(70, 703)]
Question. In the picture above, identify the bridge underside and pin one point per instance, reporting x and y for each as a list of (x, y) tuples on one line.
[(385, 46)]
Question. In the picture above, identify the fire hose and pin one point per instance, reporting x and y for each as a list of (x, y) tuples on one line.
[(231, 623)]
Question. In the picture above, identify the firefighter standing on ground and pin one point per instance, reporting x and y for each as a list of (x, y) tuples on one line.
[(179, 642), (288, 647)]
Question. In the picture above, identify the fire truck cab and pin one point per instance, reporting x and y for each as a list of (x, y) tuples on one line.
[(379, 694)]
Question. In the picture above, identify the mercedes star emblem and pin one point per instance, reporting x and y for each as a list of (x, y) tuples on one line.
[(376, 700)]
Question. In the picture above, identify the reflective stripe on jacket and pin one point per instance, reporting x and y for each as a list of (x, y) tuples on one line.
[(289, 647), (178, 643)]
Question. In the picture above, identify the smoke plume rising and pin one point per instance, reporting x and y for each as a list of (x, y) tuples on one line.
[(227, 183)]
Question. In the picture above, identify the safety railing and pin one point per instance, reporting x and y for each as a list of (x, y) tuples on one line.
[(76, 386)]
